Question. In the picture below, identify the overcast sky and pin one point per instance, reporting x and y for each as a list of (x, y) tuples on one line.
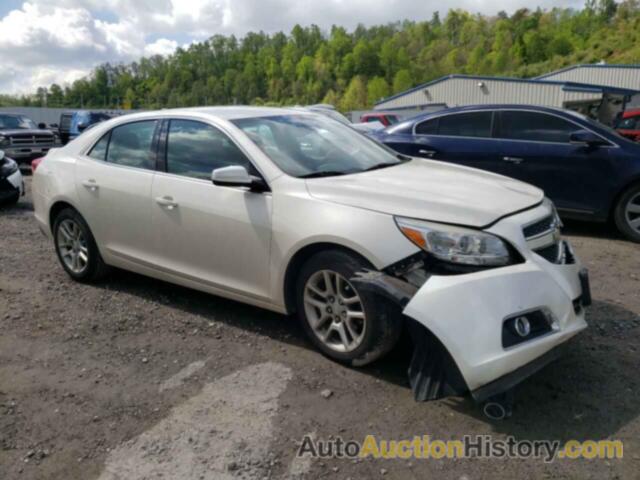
[(46, 41)]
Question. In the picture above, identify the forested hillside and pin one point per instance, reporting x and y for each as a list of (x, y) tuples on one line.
[(354, 69)]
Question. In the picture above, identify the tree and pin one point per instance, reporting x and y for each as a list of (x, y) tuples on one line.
[(377, 89), (355, 98), (402, 81)]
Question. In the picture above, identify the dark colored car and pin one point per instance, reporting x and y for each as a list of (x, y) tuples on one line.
[(628, 125), (586, 168), (23, 140), (73, 124), (385, 119)]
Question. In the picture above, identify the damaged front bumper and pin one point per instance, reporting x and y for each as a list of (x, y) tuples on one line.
[(487, 330)]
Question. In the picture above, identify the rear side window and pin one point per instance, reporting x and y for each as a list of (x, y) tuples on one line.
[(428, 127), (472, 124), (195, 149), (99, 150), (535, 127), (130, 145)]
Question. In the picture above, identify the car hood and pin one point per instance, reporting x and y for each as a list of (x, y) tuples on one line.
[(24, 131), (430, 190)]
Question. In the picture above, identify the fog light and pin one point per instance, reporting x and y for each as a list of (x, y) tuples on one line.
[(522, 326)]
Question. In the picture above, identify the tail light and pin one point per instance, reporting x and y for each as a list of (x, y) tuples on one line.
[(35, 163)]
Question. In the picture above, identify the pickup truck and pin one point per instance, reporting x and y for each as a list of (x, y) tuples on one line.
[(22, 140)]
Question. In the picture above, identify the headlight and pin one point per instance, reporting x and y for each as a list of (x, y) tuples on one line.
[(4, 141), (456, 244), (8, 167)]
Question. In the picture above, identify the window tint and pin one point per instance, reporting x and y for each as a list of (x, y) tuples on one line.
[(430, 127), (628, 123), (99, 150), (472, 124), (194, 149), (130, 145), (372, 119), (535, 127)]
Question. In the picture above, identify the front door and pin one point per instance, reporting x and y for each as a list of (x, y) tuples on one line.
[(218, 236), (536, 147)]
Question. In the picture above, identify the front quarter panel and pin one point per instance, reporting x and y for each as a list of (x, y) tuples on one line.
[(300, 220)]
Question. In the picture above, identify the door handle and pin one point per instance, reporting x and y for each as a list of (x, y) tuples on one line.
[(515, 160), (166, 202), (90, 185), (427, 153)]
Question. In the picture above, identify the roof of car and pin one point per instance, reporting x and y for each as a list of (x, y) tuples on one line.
[(497, 107), (226, 112)]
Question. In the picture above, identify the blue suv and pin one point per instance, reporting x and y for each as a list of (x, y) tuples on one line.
[(587, 169)]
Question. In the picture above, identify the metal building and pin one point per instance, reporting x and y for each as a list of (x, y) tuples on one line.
[(598, 101), (621, 76)]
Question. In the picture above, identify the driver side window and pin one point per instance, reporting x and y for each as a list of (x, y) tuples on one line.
[(195, 149)]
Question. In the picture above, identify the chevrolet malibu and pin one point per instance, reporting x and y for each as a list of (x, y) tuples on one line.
[(296, 213)]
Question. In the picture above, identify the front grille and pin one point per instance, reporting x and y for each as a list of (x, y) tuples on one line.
[(65, 122), (39, 139), (540, 227)]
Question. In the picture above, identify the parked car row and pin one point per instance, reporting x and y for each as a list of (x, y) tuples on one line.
[(587, 169), (297, 213)]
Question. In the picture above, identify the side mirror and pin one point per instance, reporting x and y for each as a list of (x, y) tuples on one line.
[(586, 138), (82, 127), (42, 126), (237, 176)]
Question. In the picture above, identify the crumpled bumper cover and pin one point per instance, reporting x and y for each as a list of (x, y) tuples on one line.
[(466, 312)]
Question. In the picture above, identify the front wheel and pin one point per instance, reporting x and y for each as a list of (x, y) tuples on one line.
[(627, 213), (345, 324)]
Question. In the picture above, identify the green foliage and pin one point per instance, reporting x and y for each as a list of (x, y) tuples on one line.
[(353, 70)]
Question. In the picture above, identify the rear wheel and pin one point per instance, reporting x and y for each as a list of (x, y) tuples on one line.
[(627, 213), (76, 247), (11, 201), (349, 326)]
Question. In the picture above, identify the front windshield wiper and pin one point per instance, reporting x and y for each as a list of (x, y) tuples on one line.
[(323, 173), (388, 164)]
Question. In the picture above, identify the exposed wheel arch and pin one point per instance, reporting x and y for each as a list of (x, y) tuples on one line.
[(55, 209), (296, 262)]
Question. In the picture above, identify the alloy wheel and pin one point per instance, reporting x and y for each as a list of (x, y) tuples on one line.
[(335, 311), (632, 212), (72, 246)]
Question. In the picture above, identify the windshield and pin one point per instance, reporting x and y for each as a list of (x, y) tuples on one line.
[(312, 145), (393, 119), (8, 122)]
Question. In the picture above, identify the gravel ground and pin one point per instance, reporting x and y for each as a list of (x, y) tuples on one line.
[(136, 378)]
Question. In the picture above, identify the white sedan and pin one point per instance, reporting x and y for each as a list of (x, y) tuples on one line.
[(296, 213)]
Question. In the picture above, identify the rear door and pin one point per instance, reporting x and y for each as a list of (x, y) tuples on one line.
[(113, 182), (536, 147), (462, 138)]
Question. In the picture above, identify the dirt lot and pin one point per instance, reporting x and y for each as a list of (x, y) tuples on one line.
[(135, 378)]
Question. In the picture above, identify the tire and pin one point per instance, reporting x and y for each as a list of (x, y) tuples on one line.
[(630, 198), (93, 268), (11, 201), (375, 335)]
